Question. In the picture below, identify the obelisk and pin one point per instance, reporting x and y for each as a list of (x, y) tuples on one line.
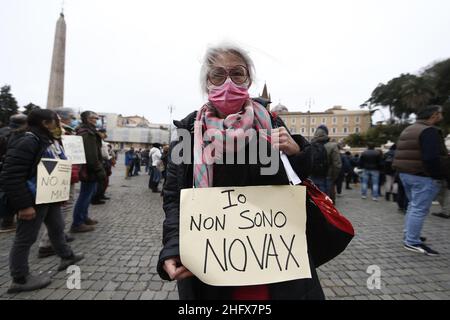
[(56, 87)]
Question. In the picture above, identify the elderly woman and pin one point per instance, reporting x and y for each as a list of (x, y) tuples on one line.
[(227, 74)]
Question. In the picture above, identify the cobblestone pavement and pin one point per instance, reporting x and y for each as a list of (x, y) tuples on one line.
[(122, 253)]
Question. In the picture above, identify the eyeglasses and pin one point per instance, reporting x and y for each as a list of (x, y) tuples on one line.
[(218, 75)]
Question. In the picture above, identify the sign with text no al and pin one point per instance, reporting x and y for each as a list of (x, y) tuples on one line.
[(53, 181)]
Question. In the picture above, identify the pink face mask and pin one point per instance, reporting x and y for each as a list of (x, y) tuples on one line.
[(228, 98)]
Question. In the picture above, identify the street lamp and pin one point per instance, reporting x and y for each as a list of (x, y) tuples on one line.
[(311, 101), (171, 108)]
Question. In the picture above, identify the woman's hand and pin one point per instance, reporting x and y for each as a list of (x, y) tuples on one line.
[(175, 269), (27, 214), (283, 141)]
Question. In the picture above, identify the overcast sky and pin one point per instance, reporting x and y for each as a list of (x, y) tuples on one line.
[(139, 56)]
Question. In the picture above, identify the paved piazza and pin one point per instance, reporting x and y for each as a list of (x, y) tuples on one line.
[(122, 253)]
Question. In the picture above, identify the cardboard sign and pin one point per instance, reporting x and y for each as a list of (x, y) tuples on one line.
[(74, 149), (53, 181), (241, 236)]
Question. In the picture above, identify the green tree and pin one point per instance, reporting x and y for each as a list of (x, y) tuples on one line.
[(30, 107), (378, 135), (389, 96), (383, 133), (407, 93), (356, 140), (381, 96), (439, 75), (416, 92), (8, 104), (403, 96)]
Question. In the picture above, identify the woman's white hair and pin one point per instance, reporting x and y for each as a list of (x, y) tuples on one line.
[(225, 48)]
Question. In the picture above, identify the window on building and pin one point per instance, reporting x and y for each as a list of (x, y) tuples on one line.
[(292, 129), (345, 130), (293, 120), (357, 130), (303, 130), (345, 119), (313, 130), (334, 120), (313, 120), (333, 130), (303, 121), (324, 120), (357, 120)]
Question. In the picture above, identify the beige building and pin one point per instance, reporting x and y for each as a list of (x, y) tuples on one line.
[(138, 132), (132, 122), (339, 121)]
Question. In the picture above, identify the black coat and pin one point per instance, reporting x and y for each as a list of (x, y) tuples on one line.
[(93, 170), (180, 177), (370, 160), (24, 153)]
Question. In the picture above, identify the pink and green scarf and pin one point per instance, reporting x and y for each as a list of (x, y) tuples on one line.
[(252, 116)]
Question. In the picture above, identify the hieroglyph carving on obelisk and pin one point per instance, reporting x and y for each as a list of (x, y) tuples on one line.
[(56, 86)]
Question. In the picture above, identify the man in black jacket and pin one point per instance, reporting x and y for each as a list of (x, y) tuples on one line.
[(370, 162), (90, 174), (16, 122)]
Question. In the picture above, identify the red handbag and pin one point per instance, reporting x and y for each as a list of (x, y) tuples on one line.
[(74, 178), (83, 174), (328, 232)]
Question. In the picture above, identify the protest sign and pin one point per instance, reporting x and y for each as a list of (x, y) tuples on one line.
[(240, 236), (74, 149), (53, 181)]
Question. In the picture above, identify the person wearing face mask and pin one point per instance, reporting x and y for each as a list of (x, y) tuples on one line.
[(74, 123), (91, 173), (227, 74), (422, 161), (100, 196), (99, 124), (67, 127), (18, 181)]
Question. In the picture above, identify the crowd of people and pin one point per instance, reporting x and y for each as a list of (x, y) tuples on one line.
[(413, 172), (25, 143), (154, 160)]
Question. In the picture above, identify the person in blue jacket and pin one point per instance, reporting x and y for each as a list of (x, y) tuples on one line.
[(129, 162)]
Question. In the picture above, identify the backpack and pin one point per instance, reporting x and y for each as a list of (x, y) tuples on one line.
[(389, 157), (388, 161), (320, 160)]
